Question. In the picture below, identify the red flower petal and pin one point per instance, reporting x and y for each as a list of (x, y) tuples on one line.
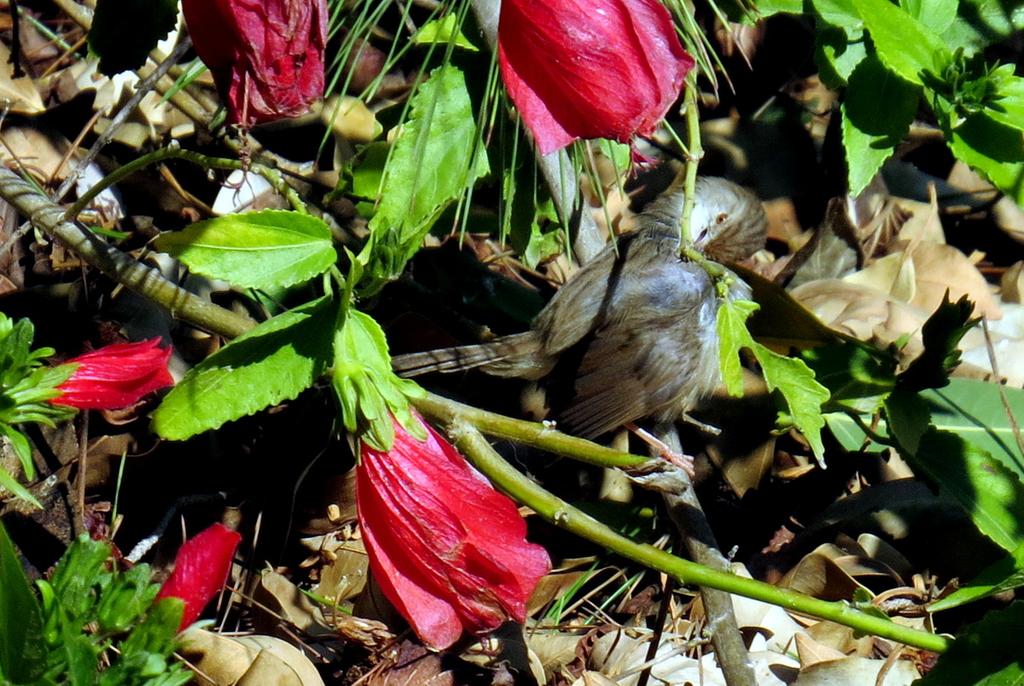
[(447, 550), (267, 57), (590, 68), (200, 569), (116, 376)]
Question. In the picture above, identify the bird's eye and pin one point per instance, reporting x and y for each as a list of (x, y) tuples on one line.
[(722, 216)]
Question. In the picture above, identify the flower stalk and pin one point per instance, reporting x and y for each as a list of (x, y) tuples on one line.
[(560, 513)]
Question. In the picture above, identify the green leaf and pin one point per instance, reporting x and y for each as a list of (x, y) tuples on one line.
[(877, 113), (936, 15), (837, 52), (268, 249), (904, 45), (981, 23), (7, 481), (368, 391), (436, 157), (803, 395), (77, 576), (1008, 107), (853, 370), (125, 31), (272, 363), (128, 597), (842, 13), (987, 654), (995, 150), (443, 31), (1005, 575), (974, 410), (990, 493), (22, 651), (941, 335)]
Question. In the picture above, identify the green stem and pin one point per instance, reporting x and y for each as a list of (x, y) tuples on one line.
[(551, 508), (693, 157), (532, 434), (172, 152)]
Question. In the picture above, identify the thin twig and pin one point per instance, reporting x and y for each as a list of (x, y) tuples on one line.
[(48, 217), (16, 54), (174, 152), (1002, 389), (141, 90), (686, 513)]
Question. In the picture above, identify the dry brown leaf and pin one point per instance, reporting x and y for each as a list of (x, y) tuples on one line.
[(857, 670), (248, 660), (1011, 285), (922, 221), (17, 95), (554, 650), (811, 652), (942, 268), (37, 152), (893, 275), (350, 118), (818, 575), (344, 577), (414, 666), (1007, 214)]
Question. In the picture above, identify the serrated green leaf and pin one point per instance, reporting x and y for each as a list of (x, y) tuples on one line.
[(124, 32), (990, 493), (987, 654), (803, 395), (1004, 575), (941, 335), (22, 651), (837, 52), (936, 15), (1008, 107), (852, 370), (435, 158), (995, 150), (267, 249), (272, 363), (905, 45), (877, 114)]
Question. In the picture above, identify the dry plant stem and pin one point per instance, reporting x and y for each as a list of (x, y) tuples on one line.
[(556, 168), (551, 508), (141, 90), (49, 218), (173, 152), (688, 516)]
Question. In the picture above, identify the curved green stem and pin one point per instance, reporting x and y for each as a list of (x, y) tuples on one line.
[(172, 152), (551, 508), (533, 434)]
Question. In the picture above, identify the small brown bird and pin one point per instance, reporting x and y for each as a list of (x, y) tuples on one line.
[(633, 334)]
